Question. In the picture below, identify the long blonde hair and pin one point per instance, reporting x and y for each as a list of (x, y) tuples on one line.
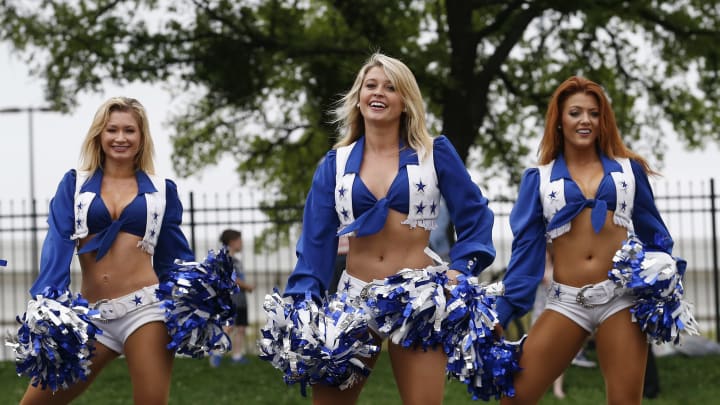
[(608, 141), (92, 156), (413, 129)]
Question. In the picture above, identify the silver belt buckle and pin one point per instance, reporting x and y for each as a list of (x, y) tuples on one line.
[(581, 299), (110, 310), (365, 292)]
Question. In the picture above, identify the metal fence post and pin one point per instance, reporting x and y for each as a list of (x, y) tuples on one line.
[(192, 221), (716, 271)]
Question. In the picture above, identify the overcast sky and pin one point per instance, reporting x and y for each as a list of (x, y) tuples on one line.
[(57, 139)]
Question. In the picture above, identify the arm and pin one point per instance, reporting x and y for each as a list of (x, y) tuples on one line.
[(172, 243), (527, 260), (648, 224), (474, 250), (58, 248), (317, 248)]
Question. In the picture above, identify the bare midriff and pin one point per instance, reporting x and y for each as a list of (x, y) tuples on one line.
[(124, 269), (581, 256), (383, 254)]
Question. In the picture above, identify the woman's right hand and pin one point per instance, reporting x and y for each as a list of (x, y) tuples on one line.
[(498, 331)]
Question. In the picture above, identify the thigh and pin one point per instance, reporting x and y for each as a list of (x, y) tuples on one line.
[(420, 375), (622, 353), (551, 344), (327, 395), (35, 395), (150, 363)]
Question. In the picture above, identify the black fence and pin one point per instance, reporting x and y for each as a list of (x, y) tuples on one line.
[(690, 210)]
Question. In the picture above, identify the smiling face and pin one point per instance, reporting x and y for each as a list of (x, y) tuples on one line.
[(580, 121), (121, 138), (379, 100)]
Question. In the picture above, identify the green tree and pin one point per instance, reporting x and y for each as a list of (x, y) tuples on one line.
[(266, 73)]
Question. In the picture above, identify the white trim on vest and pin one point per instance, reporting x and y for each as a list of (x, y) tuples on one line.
[(552, 197), (343, 188), (424, 194), (81, 204), (155, 211)]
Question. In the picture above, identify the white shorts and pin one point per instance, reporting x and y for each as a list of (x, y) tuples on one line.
[(354, 287), (590, 305), (122, 316)]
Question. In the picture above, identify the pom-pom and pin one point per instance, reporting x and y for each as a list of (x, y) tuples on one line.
[(312, 344), (197, 298), (655, 278), (409, 306), (475, 358), (3, 262), (52, 345)]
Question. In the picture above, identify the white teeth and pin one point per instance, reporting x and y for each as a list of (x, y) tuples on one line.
[(377, 104)]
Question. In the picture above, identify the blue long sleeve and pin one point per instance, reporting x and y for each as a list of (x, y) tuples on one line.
[(58, 249), (474, 250), (649, 225), (172, 243), (317, 247), (527, 260)]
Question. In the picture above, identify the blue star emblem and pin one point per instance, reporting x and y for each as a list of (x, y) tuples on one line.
[(624, 185), (155, 216), (137, 300), (346, 287), (433, 207), (152, 232), (341, 191), (623, 206), (420, 186), (345, 213), (420, 208), (80, 205), (78, 222), (557, 292), (553, 195)]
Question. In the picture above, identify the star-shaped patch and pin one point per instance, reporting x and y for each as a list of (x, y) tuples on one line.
[(420, 208), (553, 195), (433, 207), (346, 287), (137, 300), (557, 292), (420, 186), (345, 213), (341, 191)]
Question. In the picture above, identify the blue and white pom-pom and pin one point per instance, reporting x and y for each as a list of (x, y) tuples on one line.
[(655, 278), (475, 357), (197, 299), (312, 344), (409, 306), (3, 262), (53, 344)]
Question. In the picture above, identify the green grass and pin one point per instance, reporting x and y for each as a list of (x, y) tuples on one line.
[(684, 380)]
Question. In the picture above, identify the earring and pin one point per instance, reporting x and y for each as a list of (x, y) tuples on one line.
[(560, 127), (357, 105)]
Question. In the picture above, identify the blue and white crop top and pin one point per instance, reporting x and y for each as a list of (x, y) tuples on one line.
[(317, 247), (624, 189), (420, 200), (65, 227)]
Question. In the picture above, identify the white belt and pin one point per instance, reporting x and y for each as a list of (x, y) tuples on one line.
[(588, 296), (118, 307)]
